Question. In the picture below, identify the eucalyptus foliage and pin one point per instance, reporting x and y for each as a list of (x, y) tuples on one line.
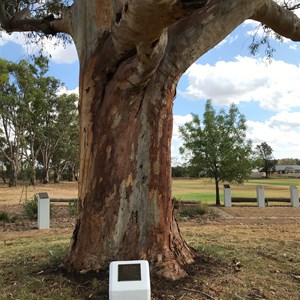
[(36, 121)]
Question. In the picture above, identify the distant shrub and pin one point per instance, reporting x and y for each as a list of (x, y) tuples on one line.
[(195, 211), (31, 207), (176, 202), (4, 217), (73, 208)]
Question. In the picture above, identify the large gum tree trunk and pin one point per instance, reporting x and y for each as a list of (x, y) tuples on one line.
[(131, 55), (126, 211)]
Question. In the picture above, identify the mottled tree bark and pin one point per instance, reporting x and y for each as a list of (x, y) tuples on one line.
[(125, 184)]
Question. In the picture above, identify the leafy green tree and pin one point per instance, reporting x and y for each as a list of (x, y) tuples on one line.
[(218, 147), (35, 120), (265, 157), (66, 156), (60, 117), (288, 161), (44, 91), (15, 94)]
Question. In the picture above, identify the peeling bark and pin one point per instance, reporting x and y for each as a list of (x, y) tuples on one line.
[(125, 194)]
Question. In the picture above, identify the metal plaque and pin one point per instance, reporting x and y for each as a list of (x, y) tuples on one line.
[(43, 195), (129, 272)]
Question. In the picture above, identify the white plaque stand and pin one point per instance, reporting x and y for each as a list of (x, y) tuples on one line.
[(260, 193), (129, 280), (227, 195), (43, 218), (294, 196)]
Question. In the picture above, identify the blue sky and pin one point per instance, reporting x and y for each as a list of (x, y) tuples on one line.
[(267, 94)]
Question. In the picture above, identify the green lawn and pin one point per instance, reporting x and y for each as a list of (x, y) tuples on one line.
[(203, 189)]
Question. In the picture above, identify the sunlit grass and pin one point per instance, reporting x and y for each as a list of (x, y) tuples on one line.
[(269, 265), (204, 189), (24, 265)]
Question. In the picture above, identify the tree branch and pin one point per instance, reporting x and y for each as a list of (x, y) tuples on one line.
[(19, 22), (281, 20), (3, 16), (200, 32), (141, 26), (139, 21)]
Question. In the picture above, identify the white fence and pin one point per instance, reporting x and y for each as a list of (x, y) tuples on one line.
[(260, 197)]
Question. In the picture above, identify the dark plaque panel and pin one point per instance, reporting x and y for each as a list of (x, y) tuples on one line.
[(130, 272), (43, 195)]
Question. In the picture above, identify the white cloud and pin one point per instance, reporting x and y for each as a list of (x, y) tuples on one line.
[(179, 121), (16, 38), (64, 90), (293, 47), (281, 132), (59, 53), (274, 86), (176, 141)]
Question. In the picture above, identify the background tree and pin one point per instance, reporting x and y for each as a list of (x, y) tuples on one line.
[(34, 119), (60, 117), (266, 158), (218, 147), (132, 54), (66, 156), (40, 88), (15, 94), (288, 161)]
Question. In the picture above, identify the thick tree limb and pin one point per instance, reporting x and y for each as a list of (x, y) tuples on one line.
[(142, 25), (3, 16), (281, 20), (20, 23), (146, 61), (138, 21), (200, 32)]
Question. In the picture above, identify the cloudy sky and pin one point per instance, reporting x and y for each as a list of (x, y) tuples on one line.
[(268, 94)]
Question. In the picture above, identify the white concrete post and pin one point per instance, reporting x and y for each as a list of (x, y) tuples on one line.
[(294, 196), (43, 211), (227, 195), (260, 194)]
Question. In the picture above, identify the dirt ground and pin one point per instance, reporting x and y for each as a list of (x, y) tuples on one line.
[(209, 277)]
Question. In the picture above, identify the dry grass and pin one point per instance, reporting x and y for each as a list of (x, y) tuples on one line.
[(262, 250), (19, 194), (246, 253)]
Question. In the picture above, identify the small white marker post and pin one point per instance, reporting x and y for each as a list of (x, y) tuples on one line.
[(129, 280), (294, 196), (227, 195), (260, 194), (43, 218)]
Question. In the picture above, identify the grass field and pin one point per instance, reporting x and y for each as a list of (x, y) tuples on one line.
[(246, 253), (204, 189)]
